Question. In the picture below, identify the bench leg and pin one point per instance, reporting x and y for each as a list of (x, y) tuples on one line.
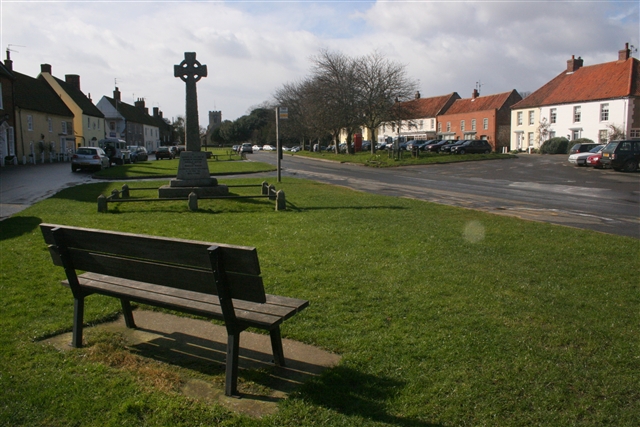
[(276, 345), (78, 316), (231, 382), (127, 313)]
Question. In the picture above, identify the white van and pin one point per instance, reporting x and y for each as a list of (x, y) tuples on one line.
[(116, 149)]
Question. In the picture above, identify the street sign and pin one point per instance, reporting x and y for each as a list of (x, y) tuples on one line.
[(284, 112)]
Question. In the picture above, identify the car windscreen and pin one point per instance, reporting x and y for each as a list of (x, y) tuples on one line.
[(85, 152), (611, 147)]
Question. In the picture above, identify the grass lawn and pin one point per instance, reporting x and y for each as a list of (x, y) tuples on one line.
[(228, 162), (382, 159), (467, 319)]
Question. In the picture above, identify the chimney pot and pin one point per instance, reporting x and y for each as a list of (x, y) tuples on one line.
[(417, 94), (73, 80), (574, 64), (116, 94), (475, 94), (45, 68), (625, 53)]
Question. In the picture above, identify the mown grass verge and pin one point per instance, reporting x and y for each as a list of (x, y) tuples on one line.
[(465, 319)]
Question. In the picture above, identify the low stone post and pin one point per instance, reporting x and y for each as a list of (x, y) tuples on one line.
[(265, 188), (193, 201), (272, 192), (125, 191), (115, 194), (281, 203), (102, 203)]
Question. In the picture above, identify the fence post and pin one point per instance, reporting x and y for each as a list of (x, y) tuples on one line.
[(125, 191), (265, 188), (281, 203), (102, 203), (272, 192), (115, 194)]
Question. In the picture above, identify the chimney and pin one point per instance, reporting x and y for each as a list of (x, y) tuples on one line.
[(8, 63), (155, 112), (45, 68), (573, 64), (116, 95), (73, 80), (475, 94), (623, 54), (417, 95)]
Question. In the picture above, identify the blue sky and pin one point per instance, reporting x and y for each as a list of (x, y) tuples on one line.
[(251, 48)]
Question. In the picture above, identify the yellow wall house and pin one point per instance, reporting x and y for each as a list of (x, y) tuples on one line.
[(43, 122), (88, 122)]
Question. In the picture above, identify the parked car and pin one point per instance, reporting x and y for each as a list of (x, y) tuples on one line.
[(295, 149), (594, 160), (89, 158), (246, 148), (164, 153), (235, 148), (435, 147), (180, 149), (116, 150), (622, 155), (474, 146), (138, 153), (582, 147), (268, 147), (580, 158), (446, 148), (256, 147)]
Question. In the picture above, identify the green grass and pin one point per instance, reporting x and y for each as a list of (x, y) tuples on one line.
[(383, 159), (228, 163), (443, 316)]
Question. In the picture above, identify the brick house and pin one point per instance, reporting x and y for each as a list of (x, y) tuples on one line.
[(480, 117)]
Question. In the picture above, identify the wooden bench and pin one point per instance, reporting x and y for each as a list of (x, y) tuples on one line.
[(212, 280)]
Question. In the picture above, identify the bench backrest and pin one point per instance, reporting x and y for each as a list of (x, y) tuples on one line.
[(175, 263)]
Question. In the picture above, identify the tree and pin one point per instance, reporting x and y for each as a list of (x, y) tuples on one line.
[(616, 132), (178, 129)]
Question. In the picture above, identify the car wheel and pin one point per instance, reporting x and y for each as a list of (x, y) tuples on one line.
[(487, 152), (461, 151), (74, 168), (630, 166)]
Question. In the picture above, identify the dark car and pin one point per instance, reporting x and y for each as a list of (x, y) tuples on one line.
[(623, 155), (582, 147), (475, 146), (435, 147), (164, 153), (447, 147), (138, 153)]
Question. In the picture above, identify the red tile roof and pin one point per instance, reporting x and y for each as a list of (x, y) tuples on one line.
[(481, 103), (429, 107), (592, 83)]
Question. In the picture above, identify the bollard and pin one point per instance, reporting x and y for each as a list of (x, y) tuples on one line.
[(102, 203), (125, 191), (265, 188), (281, 203), (115, 194), (272, 192), (193, 201)]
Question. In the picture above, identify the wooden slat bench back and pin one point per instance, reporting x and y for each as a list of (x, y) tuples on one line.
[(208, 279)]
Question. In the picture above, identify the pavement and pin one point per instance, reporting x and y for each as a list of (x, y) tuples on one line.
[(199, 348)]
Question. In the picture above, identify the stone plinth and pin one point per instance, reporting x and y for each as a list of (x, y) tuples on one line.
[(193, 177)]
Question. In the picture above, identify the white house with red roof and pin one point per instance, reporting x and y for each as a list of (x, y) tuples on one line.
[(581, 102)]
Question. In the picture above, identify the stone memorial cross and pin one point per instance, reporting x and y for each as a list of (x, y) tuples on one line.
[(190, 71)]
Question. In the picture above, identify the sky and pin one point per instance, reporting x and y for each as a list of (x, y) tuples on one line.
[(252, 48)]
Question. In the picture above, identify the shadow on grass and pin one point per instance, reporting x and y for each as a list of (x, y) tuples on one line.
[(83, 193), (354, 393), (16, 226)]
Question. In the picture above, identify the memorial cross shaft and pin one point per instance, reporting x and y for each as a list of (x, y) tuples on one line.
[(190, 71)]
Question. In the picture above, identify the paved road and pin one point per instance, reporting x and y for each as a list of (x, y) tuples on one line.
[(22, 186), (534, 187)]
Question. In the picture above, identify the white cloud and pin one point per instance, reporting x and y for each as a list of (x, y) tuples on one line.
[(252, 48)]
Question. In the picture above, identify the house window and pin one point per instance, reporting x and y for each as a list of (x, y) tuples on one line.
[(577, 112), (575, 134), (603, 136), (439, 126), (1, 103), (462, 125), (50, 124), (519, 118), (604, 112), (88, 122), (552, 134), (64, 128), (421, 123), (29, 122), (433, 121), (530, 139), (112, 125), (553, 115), (485, 124), (634, 133), (473, 124), (531, 117), (448, 126)]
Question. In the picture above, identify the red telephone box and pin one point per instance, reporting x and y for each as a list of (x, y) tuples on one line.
[(357, 142)]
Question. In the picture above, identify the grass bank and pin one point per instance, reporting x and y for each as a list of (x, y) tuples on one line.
[(383, 159), (227, 163), (467, 319)]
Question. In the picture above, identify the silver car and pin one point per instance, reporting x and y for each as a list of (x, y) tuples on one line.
[(89, 158)]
